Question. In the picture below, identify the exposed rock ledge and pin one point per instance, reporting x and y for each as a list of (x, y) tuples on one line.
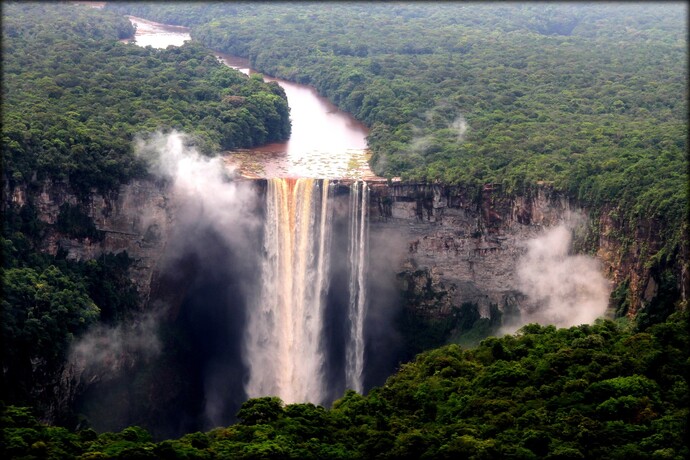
[(137, 219), (455, 246), (461, 247), (464, 247)]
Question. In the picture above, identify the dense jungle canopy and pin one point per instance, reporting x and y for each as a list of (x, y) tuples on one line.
[(588, 98), (593, 391), (74, 97)]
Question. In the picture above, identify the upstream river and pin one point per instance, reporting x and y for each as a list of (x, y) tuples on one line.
[(325, 141)]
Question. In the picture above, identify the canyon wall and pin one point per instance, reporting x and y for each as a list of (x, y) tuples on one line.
[(627, 256), (437, 248), (463, 247), (455, 246), (138, 218)]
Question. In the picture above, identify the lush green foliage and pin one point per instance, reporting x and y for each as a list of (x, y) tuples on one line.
[(74, 97), (41, 310), (599, 391), (46, 302), (591, 98)]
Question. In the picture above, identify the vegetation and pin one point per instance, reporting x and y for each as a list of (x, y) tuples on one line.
[(47, 301), (590, 98), (587, 98), (74, 98), (593, 391)]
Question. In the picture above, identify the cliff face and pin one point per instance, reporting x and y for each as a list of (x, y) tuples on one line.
[(462, 247), (455, 246), (625, 255), (448, 246), (138, 218)]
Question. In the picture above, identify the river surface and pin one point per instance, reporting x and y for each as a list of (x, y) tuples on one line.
[(325, 141)]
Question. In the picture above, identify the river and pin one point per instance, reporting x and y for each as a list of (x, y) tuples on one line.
[(325, 141)]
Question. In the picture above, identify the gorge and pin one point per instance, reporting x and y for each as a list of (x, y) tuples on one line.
[(263, 272)]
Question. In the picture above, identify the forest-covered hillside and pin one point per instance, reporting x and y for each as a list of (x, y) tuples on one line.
[(591, 98), (74, 97), (603, 391)]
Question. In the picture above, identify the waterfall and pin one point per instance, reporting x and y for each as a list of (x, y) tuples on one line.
[(359, 237), (283, 339)]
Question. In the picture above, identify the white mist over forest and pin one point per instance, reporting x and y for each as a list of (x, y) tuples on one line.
[(201, 186), (108, 350)]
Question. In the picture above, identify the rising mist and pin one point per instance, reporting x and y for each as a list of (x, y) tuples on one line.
[(562, 288), (207, 272)]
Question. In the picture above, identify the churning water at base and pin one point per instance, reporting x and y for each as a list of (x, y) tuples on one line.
[(284, 341)]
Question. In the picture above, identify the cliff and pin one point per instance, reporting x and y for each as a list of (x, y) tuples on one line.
[(456, 246), (137, 218), (463, 247), (449, 253)]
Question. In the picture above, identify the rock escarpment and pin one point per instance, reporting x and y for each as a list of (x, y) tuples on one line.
[(462, 247), (455, 253), (453, 245), (137, 218)]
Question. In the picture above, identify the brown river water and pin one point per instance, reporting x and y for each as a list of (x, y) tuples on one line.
[(325, 141)]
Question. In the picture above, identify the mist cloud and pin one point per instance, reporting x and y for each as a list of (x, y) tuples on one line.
[(108, 350), (459, 125), (203, 200), (436, 118), (203, 188), (562, 289), (217, 231)]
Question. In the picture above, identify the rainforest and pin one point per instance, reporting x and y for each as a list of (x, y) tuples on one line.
[(483, 254)]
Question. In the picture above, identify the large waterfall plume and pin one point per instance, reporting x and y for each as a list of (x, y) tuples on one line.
[(284, 342)]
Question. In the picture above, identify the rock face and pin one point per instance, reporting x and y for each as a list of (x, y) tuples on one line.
[(462, 247), (449, 247), (138, 218), (453, 245), (625, 254)]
